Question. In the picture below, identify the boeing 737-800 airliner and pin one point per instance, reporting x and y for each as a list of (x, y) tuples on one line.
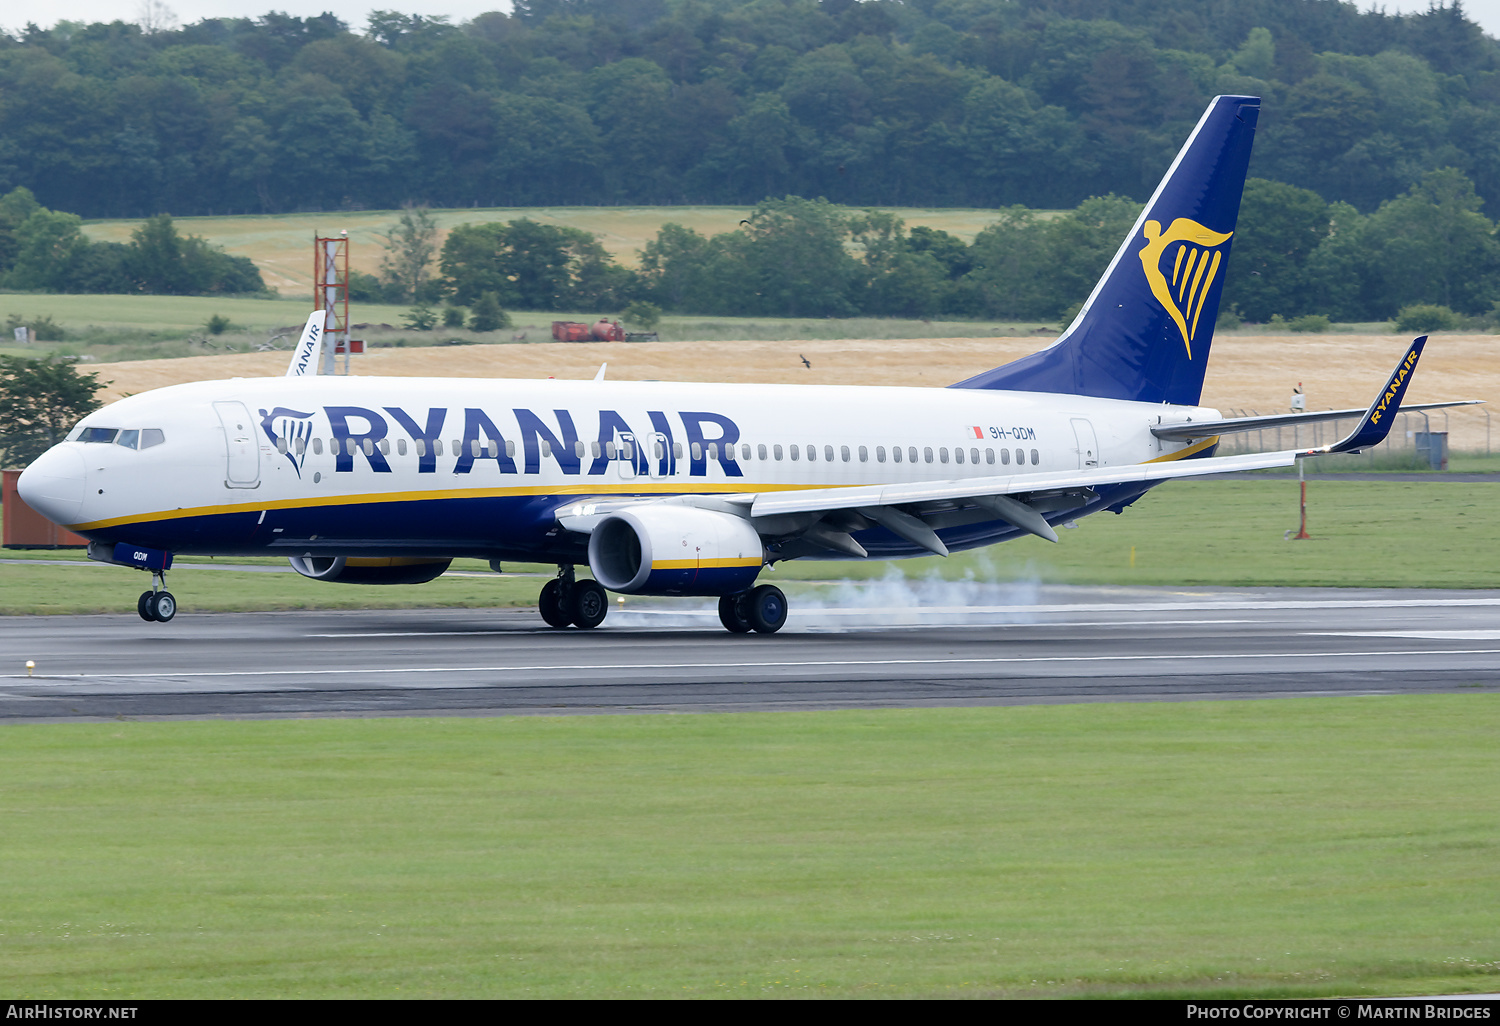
[(689, 489)]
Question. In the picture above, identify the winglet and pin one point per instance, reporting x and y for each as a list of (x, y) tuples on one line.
[(1382, 412), (309, 346)]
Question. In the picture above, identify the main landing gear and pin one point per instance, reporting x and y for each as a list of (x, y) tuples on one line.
[(566, 601), (158, 604), (761, 609)]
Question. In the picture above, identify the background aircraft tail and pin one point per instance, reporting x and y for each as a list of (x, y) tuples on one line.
[(1145, 330)]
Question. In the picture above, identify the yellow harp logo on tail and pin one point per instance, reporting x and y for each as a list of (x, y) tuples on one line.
[(1194, 255)]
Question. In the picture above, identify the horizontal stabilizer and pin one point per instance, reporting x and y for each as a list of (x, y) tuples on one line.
[(1208, 428)]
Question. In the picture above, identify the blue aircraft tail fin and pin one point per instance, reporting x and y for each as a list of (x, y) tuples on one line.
[(1144, 332)]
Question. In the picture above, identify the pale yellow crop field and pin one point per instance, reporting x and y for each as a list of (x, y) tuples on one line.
[(281, 244), (1250, 372)]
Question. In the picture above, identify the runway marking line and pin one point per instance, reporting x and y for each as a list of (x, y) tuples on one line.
[(975, 660)]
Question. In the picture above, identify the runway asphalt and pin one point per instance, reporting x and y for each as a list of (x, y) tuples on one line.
[(876, 645)]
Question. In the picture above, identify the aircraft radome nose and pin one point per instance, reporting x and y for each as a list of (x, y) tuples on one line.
[(54, 484)]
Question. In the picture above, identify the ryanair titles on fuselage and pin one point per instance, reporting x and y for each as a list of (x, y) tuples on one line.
[(358, 431)]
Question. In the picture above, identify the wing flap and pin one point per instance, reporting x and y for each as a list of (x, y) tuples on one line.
[(859, 496)]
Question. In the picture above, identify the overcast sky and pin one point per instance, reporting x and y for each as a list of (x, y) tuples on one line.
[(48, 12)]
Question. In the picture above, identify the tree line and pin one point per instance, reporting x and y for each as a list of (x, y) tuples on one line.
[(45, 250), (984, 103), (1293, 255)]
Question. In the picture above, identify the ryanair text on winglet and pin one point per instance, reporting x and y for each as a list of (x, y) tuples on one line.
[(1394, 388)]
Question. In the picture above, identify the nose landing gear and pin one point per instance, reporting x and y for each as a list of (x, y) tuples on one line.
[(565, 601), (157, 605)]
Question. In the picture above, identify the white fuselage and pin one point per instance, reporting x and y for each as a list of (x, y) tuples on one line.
[(377, 459)]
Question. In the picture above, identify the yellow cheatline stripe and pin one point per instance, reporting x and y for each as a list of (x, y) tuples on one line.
[(673, 488), (704, 564), (1191, 450)]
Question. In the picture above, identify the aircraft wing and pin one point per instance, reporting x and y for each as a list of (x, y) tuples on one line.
[(824, 518)]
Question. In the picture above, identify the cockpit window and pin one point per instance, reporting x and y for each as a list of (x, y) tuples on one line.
[(98, 434), (128, 438), (151, 436)]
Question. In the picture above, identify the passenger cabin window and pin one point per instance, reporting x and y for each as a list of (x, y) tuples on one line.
[(973, 456), (280, 444), (713, 451), (796, 451), (896, 453), (911, 454), (1021, 457), (844, 453), (943, 454), (828, 453), (677, 450), (958, 456), (385, 446), (697, 451), (927, 453), (578, 449), (864, 455), (301, 446), (778, 452), (317, 446), (745, 451), (400, 447), (761, 451), (812, 453), (437, 446), (880, 454), (989, 455), (1005, 456), (1036, 458)]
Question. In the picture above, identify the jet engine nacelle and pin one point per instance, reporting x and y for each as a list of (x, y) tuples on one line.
[(675, 550), (362, 570)]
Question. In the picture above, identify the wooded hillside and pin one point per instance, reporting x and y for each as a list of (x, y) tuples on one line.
[(927, 102)]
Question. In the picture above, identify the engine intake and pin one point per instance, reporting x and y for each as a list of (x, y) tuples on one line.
[(675, 550), (363, 570)]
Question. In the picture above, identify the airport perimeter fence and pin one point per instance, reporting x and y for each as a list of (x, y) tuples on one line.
[(1418, 441)]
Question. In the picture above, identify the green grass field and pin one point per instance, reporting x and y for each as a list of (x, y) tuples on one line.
[(1300, 847), (1373, 534)]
